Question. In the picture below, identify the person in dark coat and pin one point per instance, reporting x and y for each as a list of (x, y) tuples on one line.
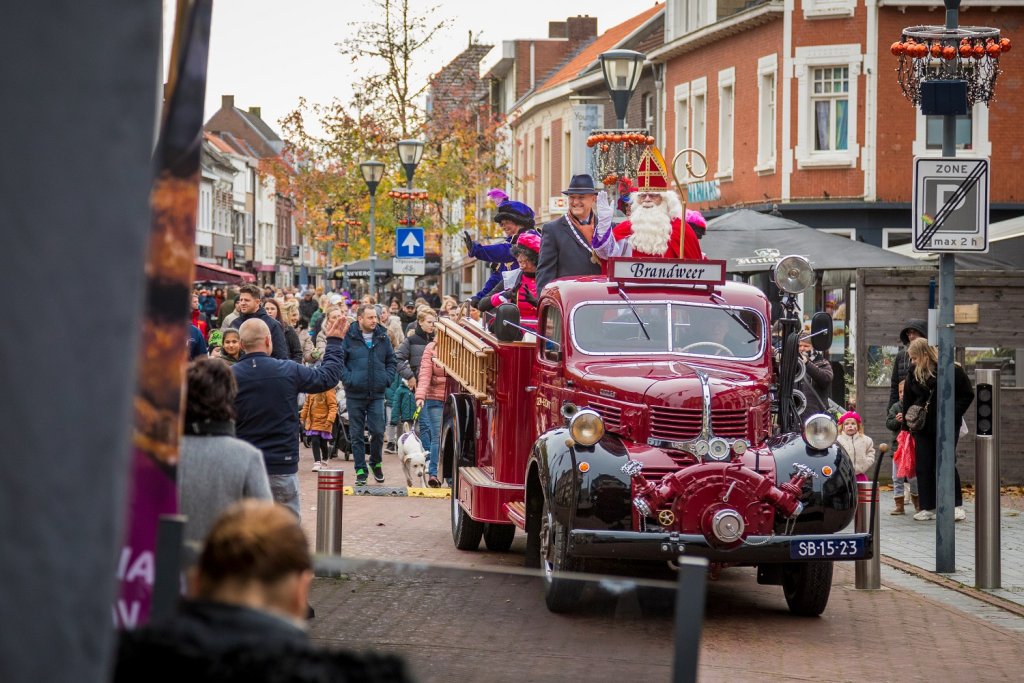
[(308, 306), (919, 390), (268, 391), (368, 369), (249, 308), (567, 244), (227, 307), (816, 384), (410, 351), (243, 619), (197, 347), (273, 308), (916, 328)]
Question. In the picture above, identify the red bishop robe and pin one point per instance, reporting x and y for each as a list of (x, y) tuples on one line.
[(691, 250)]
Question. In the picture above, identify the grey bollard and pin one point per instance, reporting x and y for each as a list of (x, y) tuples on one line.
[(987, 573), (690, 598), (868, 573), (330, 493)]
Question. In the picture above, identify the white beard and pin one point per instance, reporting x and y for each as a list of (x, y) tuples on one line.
[(651, 229)]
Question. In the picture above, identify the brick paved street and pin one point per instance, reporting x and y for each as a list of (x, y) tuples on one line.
[(472, 624)]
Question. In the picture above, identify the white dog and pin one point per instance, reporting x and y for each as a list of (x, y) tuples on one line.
[(414, 458)]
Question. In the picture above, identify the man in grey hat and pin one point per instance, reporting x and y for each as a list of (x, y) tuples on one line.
[(568, 243), (915, 328)]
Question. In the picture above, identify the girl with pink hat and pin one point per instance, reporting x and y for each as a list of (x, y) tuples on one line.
[(856, 443)]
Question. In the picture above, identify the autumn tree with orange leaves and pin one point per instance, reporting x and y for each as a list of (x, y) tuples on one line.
[(320, 171)]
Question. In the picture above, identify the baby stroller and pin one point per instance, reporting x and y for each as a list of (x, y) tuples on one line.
[(341, 442)]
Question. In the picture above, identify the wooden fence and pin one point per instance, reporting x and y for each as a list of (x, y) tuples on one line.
[(887, 298)]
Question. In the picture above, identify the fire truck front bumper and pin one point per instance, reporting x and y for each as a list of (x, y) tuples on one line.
[(636, 545)]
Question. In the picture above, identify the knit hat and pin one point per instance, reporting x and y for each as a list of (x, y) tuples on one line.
[(529, 240), (216, 338), (696, 221), (848, 415), (914, 324), (517, 212)]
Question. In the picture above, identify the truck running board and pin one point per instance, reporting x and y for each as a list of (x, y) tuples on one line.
[(516, 511)]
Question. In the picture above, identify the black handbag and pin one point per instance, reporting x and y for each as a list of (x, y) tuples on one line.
[(917, 415)]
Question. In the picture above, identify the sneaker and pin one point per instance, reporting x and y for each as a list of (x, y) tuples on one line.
[(360, 477), (925, 515), (433, 482), (391, 447), (959, 514), (378, 472), (317, 466)]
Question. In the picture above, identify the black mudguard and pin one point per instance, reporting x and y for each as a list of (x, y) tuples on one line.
[(830, 499), (599, 498)]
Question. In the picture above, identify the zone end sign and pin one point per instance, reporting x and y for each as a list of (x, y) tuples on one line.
[(950, 205)]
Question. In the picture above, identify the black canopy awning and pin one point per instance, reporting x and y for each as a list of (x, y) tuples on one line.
[(361, 269), (752, 242)]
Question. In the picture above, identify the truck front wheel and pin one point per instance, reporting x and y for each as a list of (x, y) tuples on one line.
[(466, 531), (561, 594), (806, 586)]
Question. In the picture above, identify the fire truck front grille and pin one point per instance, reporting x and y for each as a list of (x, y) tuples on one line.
[(732, 424), (612, 415), (675, 424)]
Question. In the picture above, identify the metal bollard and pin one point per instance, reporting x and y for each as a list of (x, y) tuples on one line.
[(987, 558), (330, 493), (868, 573)]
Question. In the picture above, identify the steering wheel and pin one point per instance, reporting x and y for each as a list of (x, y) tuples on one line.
[(719, 348)]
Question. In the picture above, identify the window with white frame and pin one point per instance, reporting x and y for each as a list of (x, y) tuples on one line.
[(827, 95), (823, 9), (895, 237), (685, 16), (767, 68), (699, 127), (971, 135), (848, 233), (830, 102), (682, 100), (647, 113), (726, 132)]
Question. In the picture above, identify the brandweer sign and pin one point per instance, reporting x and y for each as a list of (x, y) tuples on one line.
[(668, 271)]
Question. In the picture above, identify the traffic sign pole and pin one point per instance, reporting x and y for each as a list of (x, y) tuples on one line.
[(945, 445)]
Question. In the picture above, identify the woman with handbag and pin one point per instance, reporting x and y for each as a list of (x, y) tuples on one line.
[(921, 419)]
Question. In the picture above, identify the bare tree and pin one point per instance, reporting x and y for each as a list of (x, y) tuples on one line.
[(392, 42)]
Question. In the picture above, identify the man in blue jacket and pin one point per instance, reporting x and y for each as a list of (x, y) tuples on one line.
[(268, 389), (369, 367)]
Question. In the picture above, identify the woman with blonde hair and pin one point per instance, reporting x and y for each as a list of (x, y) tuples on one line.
[(919, 390)]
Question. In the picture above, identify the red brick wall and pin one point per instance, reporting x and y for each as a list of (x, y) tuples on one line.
[(742, 52), (897, 118)]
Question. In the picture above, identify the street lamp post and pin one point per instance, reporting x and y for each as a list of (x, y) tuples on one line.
[(372, 172), (409, 153), (329, 211), (621, 69)]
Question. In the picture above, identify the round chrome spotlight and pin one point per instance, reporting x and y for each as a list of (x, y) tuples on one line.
[(793, 274)]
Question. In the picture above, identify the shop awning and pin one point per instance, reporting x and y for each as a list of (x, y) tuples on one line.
[(215, 273)]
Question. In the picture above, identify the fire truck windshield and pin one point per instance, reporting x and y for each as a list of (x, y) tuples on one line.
[(673, 327)]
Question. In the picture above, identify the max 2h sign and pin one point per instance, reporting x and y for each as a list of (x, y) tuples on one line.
[(950, 205)]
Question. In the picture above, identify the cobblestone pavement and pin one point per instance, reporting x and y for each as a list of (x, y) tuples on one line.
[(462, 619)]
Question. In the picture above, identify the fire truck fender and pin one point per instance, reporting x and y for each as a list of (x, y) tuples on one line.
[(458, 434), (565, 475), (830, 499)]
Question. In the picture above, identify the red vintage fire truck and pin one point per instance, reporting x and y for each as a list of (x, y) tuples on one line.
[(650, 416)]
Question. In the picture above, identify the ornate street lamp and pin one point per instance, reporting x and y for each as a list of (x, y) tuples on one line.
[(409, 153), (622, 69), (372, 172), (329, 211)]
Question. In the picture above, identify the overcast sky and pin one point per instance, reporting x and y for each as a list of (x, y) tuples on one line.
[(269, 53)]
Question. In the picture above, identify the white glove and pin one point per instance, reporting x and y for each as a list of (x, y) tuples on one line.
[(604, 211)]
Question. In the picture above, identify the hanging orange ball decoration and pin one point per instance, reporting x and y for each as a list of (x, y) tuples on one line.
[(1004, 44)]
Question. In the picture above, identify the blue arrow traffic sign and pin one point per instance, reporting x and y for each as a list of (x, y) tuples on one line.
[(409, 243)]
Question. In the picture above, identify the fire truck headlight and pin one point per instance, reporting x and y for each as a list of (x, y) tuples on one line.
[(586, 427), (820, 431)]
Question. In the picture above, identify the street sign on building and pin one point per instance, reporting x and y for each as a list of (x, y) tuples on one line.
[(409, 243), (408, 266), (950, 205)]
